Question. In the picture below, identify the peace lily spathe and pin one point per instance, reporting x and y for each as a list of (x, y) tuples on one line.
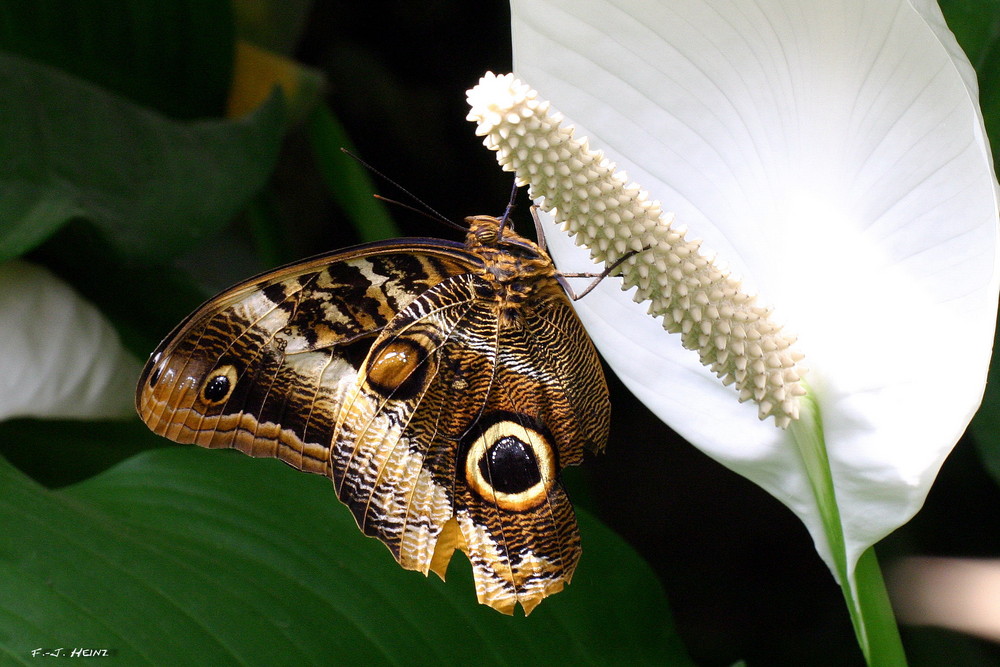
[(835, 156), (60, 357), (733, 335)]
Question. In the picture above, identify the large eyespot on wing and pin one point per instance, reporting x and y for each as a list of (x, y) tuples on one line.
[(399, 366), (454, 436), (548, 401), (518, 526), (510, 462), (263, 367)]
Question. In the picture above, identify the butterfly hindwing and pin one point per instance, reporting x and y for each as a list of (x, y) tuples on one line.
[(393, 457), (517, 521), (455, 434)]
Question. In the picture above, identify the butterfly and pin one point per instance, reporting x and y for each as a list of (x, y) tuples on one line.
[(442, 386)]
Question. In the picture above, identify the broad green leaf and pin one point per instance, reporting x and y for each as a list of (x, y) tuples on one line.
[(176, 57), (153, 186), (144, 300), (58, 452), (186, 556)]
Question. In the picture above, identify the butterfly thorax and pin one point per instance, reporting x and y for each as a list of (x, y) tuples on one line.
[(514, 269)]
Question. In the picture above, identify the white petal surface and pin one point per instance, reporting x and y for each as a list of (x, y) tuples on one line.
[(833, 155), (60, 357)]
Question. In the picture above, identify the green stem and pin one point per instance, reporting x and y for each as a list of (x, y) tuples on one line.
[(863, 587), (886, 648)]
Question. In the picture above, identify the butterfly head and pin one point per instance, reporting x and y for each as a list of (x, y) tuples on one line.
[(489, 232)]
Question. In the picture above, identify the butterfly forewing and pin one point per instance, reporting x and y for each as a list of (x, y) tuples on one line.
[(264, 366)]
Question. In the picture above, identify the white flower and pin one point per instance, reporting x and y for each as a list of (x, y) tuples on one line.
[(833, 156), (732, 335), (60, 358)]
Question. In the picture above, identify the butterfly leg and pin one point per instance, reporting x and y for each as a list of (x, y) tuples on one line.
[(598, 277), (561, 276)]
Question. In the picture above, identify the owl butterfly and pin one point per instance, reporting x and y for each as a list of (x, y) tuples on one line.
[(442, 386)]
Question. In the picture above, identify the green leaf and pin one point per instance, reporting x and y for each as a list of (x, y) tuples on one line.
[(153, 186), (144, 300), (176, 57), (57, 452), (187, 556), (975, 24), (985, 426), (346, 180)]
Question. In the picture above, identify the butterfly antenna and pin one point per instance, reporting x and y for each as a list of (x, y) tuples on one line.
[(510, 207), (428, 210), (420, 211)]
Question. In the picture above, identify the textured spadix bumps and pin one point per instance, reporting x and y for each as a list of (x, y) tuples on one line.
[(732, 334)]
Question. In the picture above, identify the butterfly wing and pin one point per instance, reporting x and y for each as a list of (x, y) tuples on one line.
[(442, 418), (264, 366), (455, 433), (517, 520)]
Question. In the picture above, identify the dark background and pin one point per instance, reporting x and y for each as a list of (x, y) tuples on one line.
[(740, 570)]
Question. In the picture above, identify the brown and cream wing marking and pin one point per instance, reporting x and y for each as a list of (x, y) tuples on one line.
[(455, 434), (442, 388), (263, 367), (515, 518)]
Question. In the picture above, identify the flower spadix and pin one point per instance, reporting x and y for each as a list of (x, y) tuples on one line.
[(733, 335), (833, 156)]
